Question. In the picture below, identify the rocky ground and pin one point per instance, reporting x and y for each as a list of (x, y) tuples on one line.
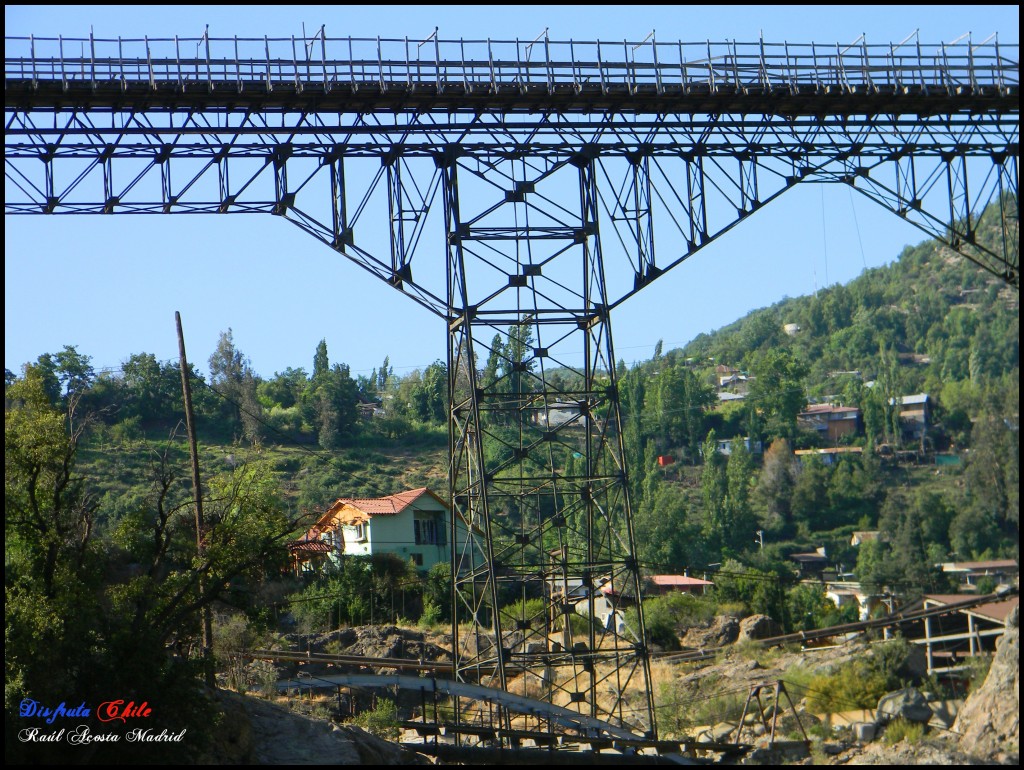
[(253, 731), (986, 730)]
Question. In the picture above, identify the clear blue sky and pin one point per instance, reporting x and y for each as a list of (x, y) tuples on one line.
[(110, 285)]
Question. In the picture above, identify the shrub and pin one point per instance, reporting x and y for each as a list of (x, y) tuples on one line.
[(437, 590), (128, 431), (977, 671), (798, 678), (902, 730), (669, 616), (233, 634), (532, 611), (860, 683), (381, 720), (721, 708), (431, 616), (287, 420)]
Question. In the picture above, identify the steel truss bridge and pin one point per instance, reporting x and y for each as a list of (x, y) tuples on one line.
[(521, 192)]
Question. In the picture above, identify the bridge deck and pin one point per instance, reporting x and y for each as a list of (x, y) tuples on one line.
[(360, 75), (370, 97)]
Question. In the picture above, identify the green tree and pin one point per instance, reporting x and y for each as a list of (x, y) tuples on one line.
[(810, 503), (992, 473), (45, 369), (284, 389), (777, 391), (48, 514), (145, 395), (714, 491), (739, 473), (430, 399), (231, 376), (631, 393), (329, 401), (808, 608), (384, 375), (518, 360), (912, 539), (669, 535), (321, 364), (775, 489), (761, 590), (887, 397), (678, 402), (85, 618), (74, 371), (336, 398), (437, 590)]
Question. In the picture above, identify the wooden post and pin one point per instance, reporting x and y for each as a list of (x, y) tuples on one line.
[(186, 390)]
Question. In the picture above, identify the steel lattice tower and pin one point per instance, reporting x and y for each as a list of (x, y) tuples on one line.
[(518, 192)]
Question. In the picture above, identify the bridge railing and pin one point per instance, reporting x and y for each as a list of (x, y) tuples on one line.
[(493, 66)]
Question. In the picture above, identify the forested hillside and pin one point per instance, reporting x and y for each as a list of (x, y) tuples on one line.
[(931, 323)]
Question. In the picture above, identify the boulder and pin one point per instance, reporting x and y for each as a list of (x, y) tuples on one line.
[(723, 630), (758, 627), (864, 732), (988, 723), (253, 731), (723, 732), (909, 704)]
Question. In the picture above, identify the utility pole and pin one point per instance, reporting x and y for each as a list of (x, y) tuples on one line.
[(197, 491), (760, 538)]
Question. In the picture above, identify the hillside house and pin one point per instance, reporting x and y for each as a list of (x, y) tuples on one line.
[(414, 526), (915, 415), (724, 446), (556, 414), (830, 422), (813, 563), (970, 572), (846, 592), (739, 383), (608, 599), (863, 536), (660, 585), (725, 396)]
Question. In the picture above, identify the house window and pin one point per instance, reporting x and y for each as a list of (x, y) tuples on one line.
[(417, 559), (428, 532)]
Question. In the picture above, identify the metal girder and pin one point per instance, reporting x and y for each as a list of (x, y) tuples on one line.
[(686, 179)]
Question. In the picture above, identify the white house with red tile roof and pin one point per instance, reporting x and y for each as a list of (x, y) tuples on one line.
[(413, 525)]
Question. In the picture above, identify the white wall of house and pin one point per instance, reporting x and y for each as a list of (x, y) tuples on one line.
[(357, 540), (396, 534)]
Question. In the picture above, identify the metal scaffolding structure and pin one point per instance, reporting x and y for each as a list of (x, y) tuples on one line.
[(520, 192)]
